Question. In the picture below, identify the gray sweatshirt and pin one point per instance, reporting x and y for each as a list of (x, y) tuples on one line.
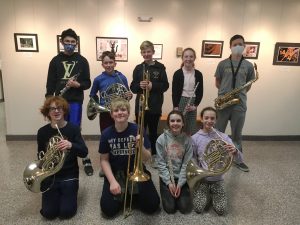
[(180, 150)]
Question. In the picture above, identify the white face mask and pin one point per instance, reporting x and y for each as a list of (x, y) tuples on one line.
[(237, 50)]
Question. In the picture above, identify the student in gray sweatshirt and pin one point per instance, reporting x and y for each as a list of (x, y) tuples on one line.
[(174, 150)]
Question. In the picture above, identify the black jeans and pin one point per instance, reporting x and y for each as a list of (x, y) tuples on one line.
[(170, 204), (147, 199), (151, 122)]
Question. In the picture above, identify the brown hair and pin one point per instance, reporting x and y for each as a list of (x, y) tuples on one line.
[(177, 112), (146, 44), (109, 54), (59, 101), (209, 108), (187, 49)]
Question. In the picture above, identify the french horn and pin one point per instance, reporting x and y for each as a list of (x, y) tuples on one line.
[(216, 159), (48, 164)]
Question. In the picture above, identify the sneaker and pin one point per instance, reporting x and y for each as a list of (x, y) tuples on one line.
[(88, 168), (242, 167), (101, 174)]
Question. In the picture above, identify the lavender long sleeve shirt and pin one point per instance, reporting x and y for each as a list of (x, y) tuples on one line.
[(201, 139)]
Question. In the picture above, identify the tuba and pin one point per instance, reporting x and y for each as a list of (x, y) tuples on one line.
[(232, 97), (49, 163), (216, 158)]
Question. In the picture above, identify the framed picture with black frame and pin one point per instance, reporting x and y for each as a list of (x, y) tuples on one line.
[(251, 50), (26, 42), (286, 54), (212, 49), (117, 45), (60, 47)]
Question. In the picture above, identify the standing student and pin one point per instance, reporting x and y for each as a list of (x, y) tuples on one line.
[(116, 143), (174, 150), (184, 95), (210, 189), (157, 85), (232, 73), (62, 70), (103, 82), (61, 199)]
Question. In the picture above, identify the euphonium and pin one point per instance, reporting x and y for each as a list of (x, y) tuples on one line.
[(48, 164), (138, 174), (232, 97), (216, 158)]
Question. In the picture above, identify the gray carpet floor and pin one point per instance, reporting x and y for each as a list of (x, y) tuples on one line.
[(268, 194)]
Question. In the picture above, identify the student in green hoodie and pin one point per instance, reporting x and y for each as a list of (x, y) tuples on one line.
[(174, 150)]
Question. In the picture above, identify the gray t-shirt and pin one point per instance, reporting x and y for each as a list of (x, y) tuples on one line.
[(245, 74)]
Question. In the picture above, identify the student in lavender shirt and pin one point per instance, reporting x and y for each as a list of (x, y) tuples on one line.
[(210, 189)]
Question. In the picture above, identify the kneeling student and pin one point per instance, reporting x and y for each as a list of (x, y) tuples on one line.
[(174, 150), (114, 150)]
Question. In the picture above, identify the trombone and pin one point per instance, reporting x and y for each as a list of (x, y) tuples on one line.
[(146, 77), (138, 174)]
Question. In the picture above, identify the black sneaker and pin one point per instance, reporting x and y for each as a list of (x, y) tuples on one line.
[(88, 168), (101, 174), (242, 167)]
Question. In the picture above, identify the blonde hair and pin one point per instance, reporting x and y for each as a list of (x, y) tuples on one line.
[(146, 44), (119, 103)]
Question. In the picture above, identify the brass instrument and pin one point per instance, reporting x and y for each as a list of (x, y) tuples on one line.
[(48, 164), (138, 174), (64, 90), (93, 108), (146, 77), (216, 158), (232, 97), (190, 99), (115, 90)]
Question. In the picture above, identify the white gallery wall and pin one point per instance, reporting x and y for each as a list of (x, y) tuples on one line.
[(273, 102)]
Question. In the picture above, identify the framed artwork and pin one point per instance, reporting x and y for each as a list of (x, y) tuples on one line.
[(158, 48), (60, 47), (286, 54), (113, 44), (26, 42), (251, 50), (212, 49)]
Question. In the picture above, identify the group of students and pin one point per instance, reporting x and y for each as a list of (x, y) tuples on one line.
[(178, 144)]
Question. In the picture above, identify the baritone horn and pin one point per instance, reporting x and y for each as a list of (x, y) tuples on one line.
[(215, 157), (138, 174)]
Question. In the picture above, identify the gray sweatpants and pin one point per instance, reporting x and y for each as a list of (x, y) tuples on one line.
[(237, 120)]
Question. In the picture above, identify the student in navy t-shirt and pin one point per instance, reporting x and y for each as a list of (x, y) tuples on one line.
[(114, 151)]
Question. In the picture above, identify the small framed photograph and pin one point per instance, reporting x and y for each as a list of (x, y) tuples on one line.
[(26, 42), (158, 48), (212, 49), (60, 47), (113, 44), (251, 50), (286, 54)]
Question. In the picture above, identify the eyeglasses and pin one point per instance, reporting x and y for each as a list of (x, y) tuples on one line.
[(53, 109)]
